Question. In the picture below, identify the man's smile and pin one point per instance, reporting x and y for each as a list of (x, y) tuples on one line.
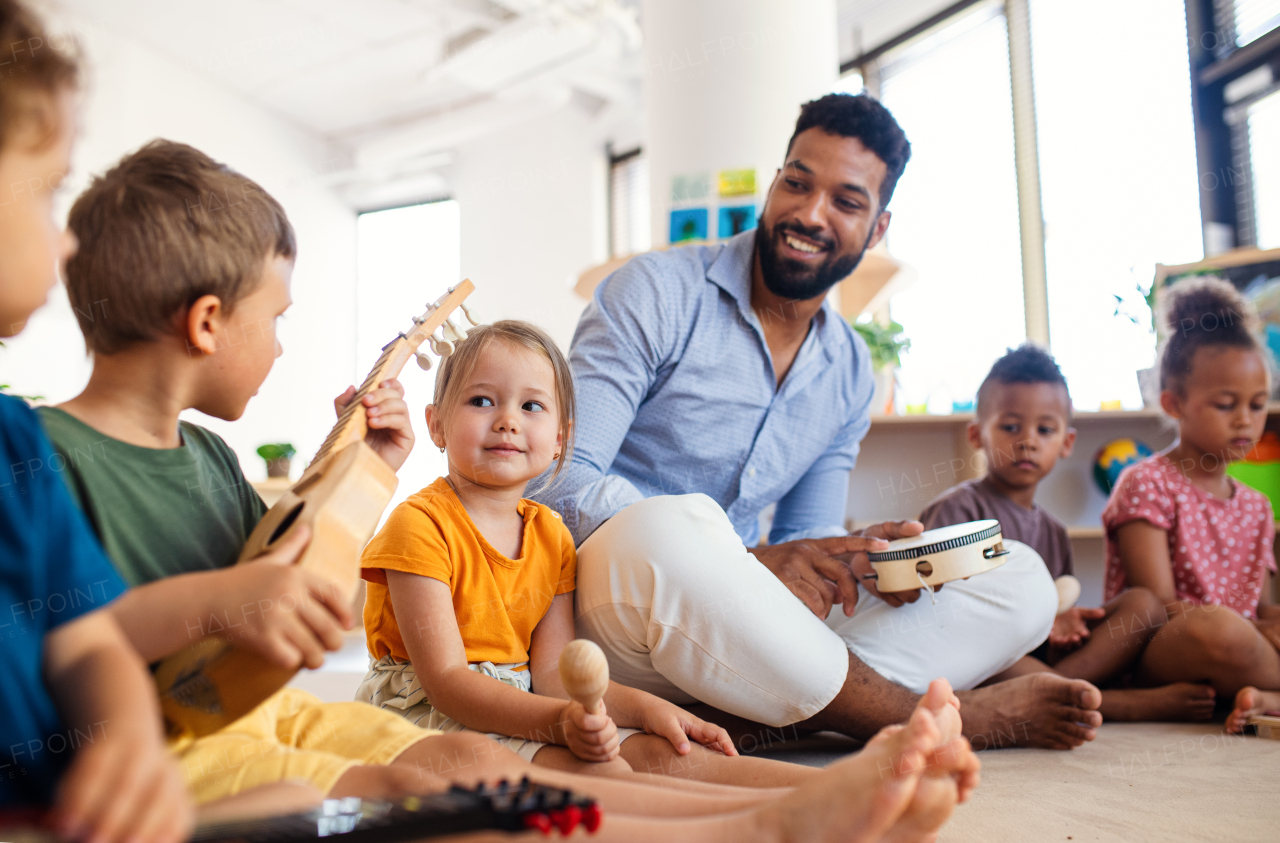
[(799, 247)]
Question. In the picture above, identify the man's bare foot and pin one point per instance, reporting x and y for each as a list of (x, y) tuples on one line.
[(1179, 702), (1251, 701), (1040, 710), (861, 797)]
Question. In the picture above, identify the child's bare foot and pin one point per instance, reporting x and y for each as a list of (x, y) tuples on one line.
[(1178, 702), (1251, 701), (949, 779), (861, 797), (1040, 710), (944, 705), (951, 774)]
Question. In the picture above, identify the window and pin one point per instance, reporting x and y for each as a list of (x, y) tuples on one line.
[(1118, 188), (1250, 19), (406, 257), (1264, 139), (1117, 178), (955, 212), (628, 204)]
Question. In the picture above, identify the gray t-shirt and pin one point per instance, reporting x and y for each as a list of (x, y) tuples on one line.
[(974, 500)]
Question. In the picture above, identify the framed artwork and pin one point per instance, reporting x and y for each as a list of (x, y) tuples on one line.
[(735, 219), (688, 224)]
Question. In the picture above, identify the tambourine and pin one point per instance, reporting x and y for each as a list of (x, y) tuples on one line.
[(938, 556)]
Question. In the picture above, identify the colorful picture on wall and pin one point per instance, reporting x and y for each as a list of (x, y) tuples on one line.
[(738, 182), (693, 187), (736, 219), (688, 224)]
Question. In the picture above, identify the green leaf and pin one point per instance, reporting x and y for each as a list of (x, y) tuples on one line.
[(274, 451), (885, 342)]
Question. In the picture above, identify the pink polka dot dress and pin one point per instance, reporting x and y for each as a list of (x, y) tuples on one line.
[(1221, 549)]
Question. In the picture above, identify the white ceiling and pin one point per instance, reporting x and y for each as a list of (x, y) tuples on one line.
[(394, 81), (360, 72)]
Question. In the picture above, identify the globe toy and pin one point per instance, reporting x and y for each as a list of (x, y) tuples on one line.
[(1113, 458)]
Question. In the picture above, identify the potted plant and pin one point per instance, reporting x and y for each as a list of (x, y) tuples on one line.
[(886, 344), (277, 456)]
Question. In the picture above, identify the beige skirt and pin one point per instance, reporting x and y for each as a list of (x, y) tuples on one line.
[(393, 685)]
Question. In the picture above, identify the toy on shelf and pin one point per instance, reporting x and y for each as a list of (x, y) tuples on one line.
[(1260, 468), (1113, 458)]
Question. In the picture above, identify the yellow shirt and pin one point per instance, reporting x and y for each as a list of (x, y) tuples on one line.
[(497, 601)]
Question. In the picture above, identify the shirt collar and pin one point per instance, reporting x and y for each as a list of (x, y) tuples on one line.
[(731, 271)]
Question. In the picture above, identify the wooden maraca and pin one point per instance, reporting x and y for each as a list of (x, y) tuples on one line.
[(584, 672)]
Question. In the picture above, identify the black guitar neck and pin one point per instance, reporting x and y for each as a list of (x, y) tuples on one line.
[(505, 807)]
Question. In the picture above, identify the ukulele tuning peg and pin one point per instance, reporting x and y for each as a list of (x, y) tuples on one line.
[(459, 331), (424, 361), (441, 346), (471, 317)]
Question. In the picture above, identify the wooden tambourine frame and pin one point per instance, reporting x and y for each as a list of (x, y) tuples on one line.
[(939, 556)]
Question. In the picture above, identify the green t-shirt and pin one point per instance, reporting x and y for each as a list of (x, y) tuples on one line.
[(158, 511)]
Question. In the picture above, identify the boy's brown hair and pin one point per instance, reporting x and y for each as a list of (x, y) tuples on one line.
[(457, 368), (32, 72), (162, 228)]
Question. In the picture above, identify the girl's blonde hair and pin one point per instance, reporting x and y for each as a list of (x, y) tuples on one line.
[(456, 370)]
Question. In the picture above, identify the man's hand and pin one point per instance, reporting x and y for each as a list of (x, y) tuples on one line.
[(670, 721), (1070, 629), (390, 433), (814, 573), (285, 614), (591, 737), (862, 565)]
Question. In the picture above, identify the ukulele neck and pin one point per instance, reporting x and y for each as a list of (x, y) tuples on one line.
[(353, 422)]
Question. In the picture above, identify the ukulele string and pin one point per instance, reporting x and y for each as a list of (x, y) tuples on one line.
[(373, 379)]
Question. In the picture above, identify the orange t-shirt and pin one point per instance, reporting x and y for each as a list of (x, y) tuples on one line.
[(497, 601)]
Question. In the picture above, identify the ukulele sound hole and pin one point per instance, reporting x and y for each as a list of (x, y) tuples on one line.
[(924, 568), (286, 523)]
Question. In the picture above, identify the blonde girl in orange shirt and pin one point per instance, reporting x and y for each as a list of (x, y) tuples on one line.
[(469, 583)]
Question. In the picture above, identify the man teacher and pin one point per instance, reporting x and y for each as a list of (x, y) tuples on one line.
[(713, 381)]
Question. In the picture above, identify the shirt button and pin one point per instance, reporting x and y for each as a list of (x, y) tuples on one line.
[(751, 472)]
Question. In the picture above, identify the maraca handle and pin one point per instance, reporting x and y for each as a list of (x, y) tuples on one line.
[(584, 672)]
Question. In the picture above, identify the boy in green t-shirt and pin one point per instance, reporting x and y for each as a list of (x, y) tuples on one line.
[(195, 288)]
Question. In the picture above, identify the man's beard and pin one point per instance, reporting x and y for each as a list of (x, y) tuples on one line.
[(792, 279)]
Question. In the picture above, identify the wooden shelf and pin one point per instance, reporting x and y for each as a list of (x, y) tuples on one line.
[(1079, 418)]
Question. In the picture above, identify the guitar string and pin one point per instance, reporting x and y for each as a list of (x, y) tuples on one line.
[(374, 377)]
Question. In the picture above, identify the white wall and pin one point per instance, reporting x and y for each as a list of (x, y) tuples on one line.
[(133, 95), (533, 218), (724, 83)]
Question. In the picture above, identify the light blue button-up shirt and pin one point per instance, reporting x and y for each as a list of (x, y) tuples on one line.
[(676, 394)]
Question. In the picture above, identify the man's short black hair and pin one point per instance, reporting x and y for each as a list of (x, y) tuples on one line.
[(863, 117), (1027, 363)]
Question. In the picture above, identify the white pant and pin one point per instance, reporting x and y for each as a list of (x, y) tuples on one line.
[(683, 611)]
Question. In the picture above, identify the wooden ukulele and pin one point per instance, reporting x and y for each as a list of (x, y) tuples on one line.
[(341, 496)]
